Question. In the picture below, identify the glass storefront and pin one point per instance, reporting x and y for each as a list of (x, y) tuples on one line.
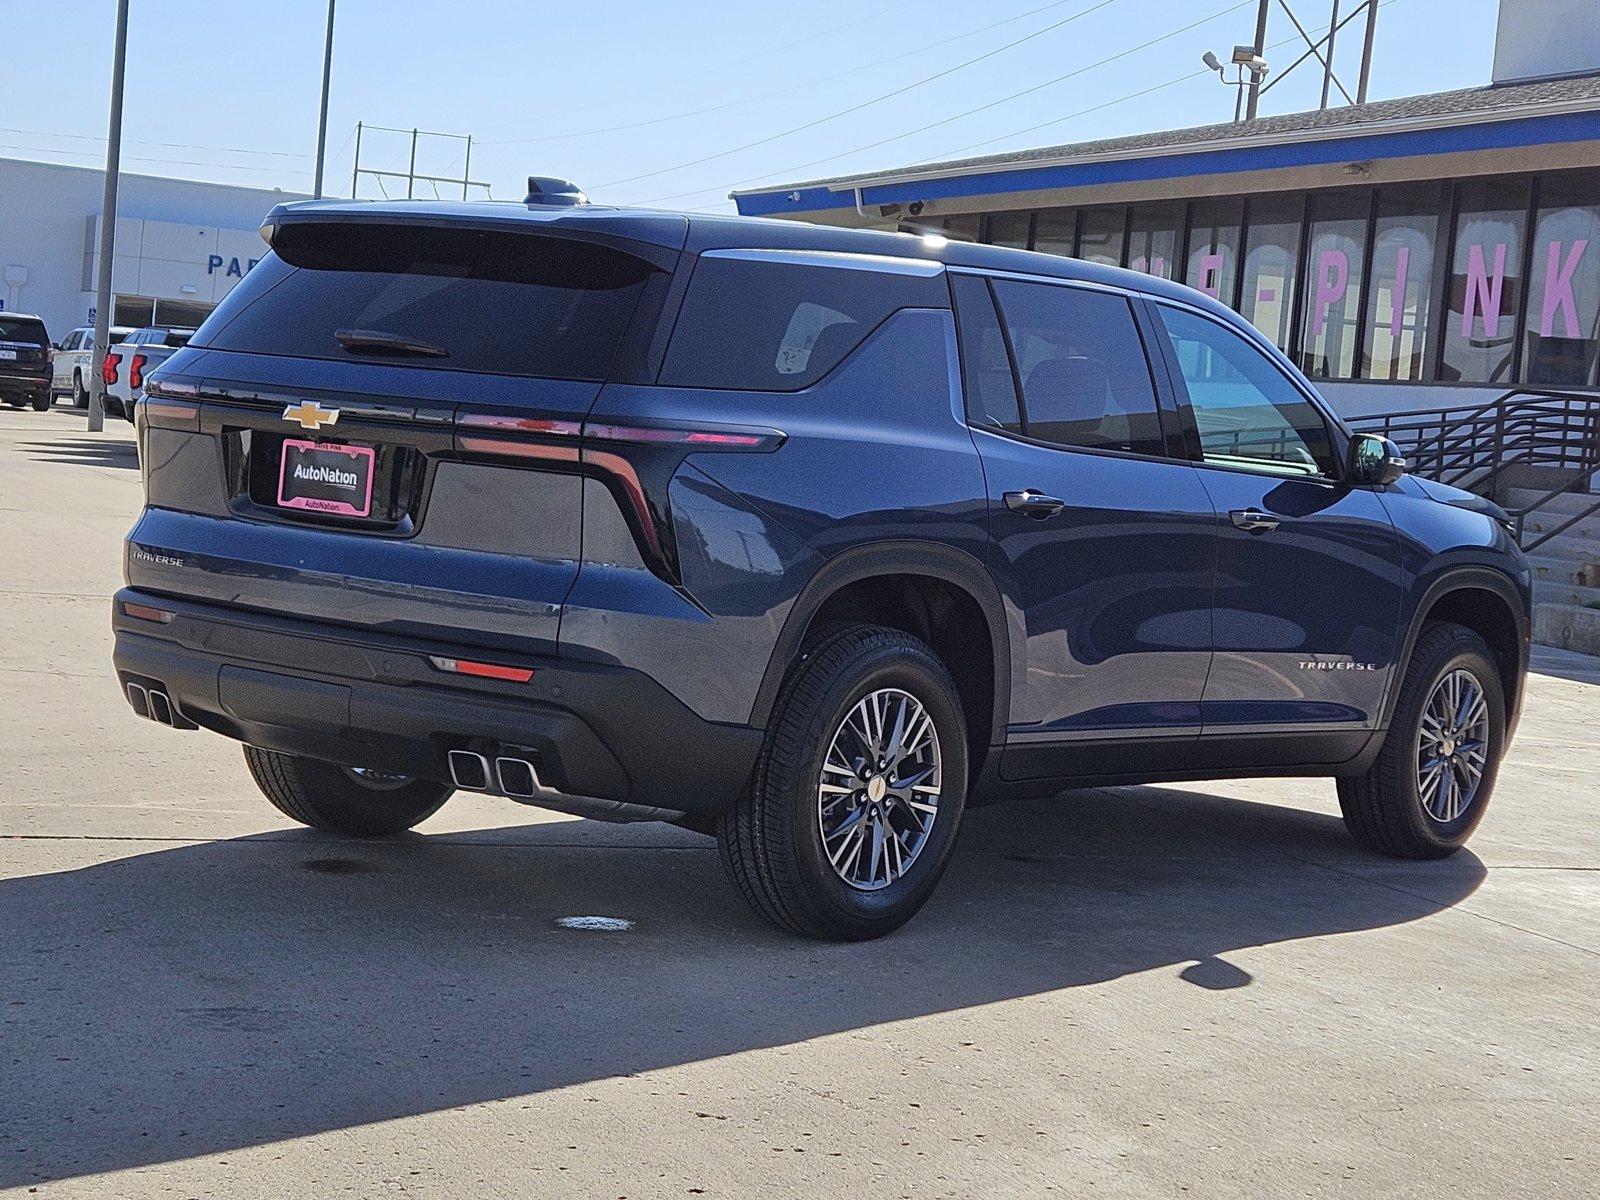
[(1492, 280)]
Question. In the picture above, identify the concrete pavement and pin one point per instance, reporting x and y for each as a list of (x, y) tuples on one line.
[(1203, 990)]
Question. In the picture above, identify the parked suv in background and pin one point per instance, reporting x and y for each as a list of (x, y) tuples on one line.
[(802, 537), (74, 362), (128, 364), (24, 361)]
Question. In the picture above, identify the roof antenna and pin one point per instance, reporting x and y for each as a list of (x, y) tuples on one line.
[(546, 189)]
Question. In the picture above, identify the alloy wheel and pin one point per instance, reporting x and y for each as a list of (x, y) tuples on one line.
[(1452, 746), (878, 794)]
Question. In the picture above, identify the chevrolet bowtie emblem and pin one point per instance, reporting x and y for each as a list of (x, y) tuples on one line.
[(311, 415)]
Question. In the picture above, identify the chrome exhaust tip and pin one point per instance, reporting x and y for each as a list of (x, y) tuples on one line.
[(140, 699), (517, 777), (469, 771), (160, 707)]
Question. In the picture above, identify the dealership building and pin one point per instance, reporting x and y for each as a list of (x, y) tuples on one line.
[(180, 245), (1399, 251)]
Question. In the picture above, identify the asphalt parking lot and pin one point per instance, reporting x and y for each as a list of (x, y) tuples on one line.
[(1203, 990)]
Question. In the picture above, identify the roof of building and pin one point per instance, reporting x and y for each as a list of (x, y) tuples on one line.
[(1575, 93)]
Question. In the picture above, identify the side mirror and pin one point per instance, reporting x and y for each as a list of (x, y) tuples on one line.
[(1375, 460)]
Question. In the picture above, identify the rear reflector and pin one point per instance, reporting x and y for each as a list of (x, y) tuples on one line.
[(145, 613), (463, 666), (684, 437)]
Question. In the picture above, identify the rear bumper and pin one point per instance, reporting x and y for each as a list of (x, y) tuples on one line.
[(18, 383), (373, 700)]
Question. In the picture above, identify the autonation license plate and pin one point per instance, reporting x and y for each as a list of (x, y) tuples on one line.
[(326, 478), (8, 355)]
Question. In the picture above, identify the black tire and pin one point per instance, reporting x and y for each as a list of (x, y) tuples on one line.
[(330, 798), (771, 843), (1383, 809), (16, 402), (41, 401), (80, 394)]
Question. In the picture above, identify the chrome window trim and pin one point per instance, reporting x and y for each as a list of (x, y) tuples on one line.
[(844, 260)]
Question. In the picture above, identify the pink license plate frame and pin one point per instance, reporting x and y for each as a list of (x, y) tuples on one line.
[(321, 504)]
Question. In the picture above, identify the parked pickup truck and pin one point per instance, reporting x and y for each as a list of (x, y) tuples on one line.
[(129, 363)]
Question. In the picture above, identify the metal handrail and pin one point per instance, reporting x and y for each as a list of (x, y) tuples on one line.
[(1472, 444)]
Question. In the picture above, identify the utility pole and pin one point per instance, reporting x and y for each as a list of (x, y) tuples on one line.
[(1366, 51), (1255, 77), (108, 229), (322, 120)]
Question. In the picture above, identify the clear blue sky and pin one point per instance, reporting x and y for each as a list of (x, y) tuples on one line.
[(227, 90)]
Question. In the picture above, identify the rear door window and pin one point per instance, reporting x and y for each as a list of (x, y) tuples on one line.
[(500, 302), (1085, 379), (778, 321)]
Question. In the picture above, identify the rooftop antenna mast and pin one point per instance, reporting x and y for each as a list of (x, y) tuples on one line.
[(1249, 60), (378, 175)]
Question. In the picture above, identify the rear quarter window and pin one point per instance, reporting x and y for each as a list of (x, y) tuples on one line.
[(779, 324), (498, 302)]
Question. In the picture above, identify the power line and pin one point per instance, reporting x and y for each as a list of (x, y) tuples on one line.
[(1131, 96), (174, 162), (787, 47), (900, 91), (784, 91), (963, 115), (90, 137)]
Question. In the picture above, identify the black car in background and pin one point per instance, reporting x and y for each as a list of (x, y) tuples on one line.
[(24, 361)]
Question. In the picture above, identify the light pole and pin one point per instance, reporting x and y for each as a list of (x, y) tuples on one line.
[(108, 228), (322, 120)]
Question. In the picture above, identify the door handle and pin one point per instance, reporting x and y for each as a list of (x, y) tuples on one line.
[(1253, 520), (1034, 504)]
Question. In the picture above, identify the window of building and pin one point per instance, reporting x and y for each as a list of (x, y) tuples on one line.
[(985, 365), (1153, 231), (1402, 295), (1563, 330), (1331, 303), (1102, 235), (1214, 248), (1008, 229), (1085, 380), (1055, 231), (1247, 412), (964, 227), (1271, 257), (1485, 282)]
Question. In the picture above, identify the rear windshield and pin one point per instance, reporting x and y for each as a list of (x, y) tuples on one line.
[(465, 299), (23, 329)]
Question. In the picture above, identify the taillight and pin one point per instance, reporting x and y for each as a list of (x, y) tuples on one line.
[(136, 372), (108, 367), (482, 670)]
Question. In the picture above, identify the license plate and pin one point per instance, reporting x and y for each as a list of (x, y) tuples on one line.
[(9, 355), (326, 478)]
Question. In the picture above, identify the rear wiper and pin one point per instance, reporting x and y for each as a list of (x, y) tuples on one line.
[(376, 339)]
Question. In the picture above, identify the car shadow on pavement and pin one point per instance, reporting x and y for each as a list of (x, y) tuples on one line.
[(84, 452), (213, 996)]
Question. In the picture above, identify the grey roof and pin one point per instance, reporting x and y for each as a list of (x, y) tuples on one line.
[(1438, 106)]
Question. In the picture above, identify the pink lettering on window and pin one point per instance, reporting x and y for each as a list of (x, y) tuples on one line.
[(1154, 266), (1397, 297), (1333, 274), (1210, 275), (1558, 295), (1483, 290)]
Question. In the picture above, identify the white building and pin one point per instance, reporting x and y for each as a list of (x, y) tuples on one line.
[(180, 246)]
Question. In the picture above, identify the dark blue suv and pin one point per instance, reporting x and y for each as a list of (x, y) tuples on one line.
[(804, 538)]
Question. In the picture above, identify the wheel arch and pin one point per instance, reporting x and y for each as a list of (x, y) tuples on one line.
[(907, 585), (1490, 604)]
